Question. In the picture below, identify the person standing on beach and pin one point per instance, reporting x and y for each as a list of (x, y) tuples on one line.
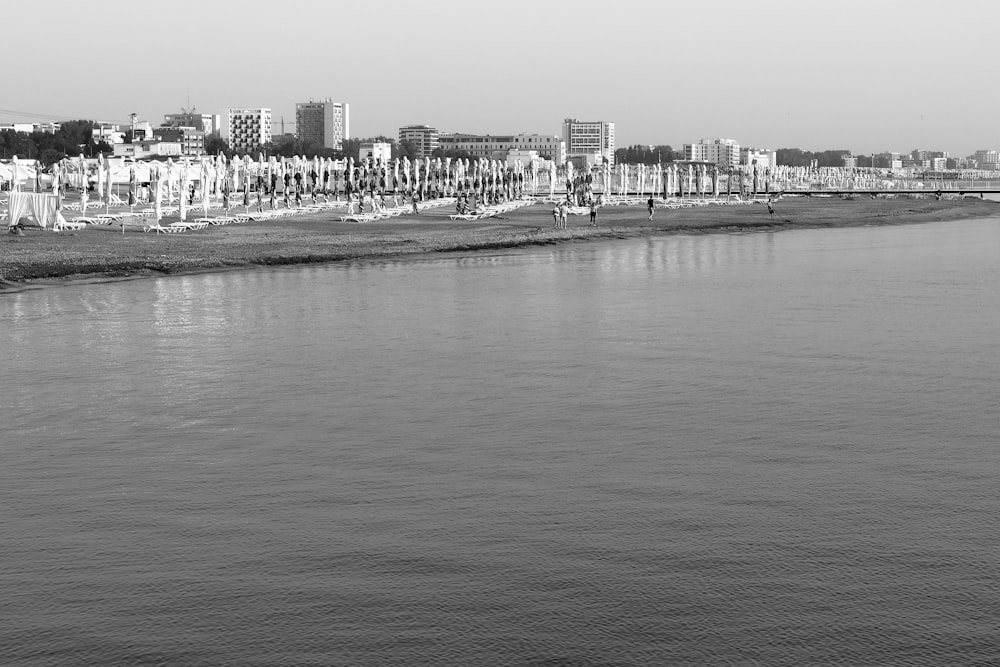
[(650, 205), (414, 202), (563, 215), (555, 216), (770, 208), (593, 213)]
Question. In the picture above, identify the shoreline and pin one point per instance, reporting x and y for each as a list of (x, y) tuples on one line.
[(42, 258)]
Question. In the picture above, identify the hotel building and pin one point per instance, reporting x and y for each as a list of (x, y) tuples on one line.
[(247, 130), (593, 140), (547, 146), (206, 122), (765, 159), (325, 124), (423, 137), (723, 152)]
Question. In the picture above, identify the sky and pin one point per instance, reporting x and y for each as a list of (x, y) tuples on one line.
[(861, 75)]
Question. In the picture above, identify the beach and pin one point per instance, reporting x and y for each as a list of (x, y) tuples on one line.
[(42, 258)]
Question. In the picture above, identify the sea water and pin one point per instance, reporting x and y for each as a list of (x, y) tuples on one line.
[(775, 449)]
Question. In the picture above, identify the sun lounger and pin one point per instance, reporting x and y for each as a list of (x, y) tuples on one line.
[(155, 226), (61, 224)]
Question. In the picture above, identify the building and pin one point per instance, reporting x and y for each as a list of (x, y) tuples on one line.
[(593, 140), (207, 123), (247, 130), (724, 152), (764, 158), (140, 150), (192, 141), (850, 162), (424, 139), (108, 133), (378, 150), (547, 146), (987, 159), (324, 124), (30, 128)]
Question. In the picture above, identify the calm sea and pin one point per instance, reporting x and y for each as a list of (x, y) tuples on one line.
[(770, 449)]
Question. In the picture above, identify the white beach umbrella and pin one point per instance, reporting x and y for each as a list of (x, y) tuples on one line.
[(155, 180), (107, 183), (183, 186), (100, 176), (206, 177), (83, 184)]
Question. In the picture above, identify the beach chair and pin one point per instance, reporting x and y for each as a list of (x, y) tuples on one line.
[(155, 226), (358, 217), (62, 224)]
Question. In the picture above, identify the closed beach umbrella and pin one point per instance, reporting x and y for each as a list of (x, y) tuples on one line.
[(56, 182), (182, 187), (83, 184), (131, 186), (205, 177), (107, 183), (155, 191), (100, 177)]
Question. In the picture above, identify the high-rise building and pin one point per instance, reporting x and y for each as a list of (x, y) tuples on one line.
[(325, 124), (423, 137), (725, 152), (206, 122), (247, 130), (547, 146), (594, 140)]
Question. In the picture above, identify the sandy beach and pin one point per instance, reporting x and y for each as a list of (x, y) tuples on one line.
[(42, 258)]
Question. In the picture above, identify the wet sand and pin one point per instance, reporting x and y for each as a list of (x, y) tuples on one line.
[(41, 258)]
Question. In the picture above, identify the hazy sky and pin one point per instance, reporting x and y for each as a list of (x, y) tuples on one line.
[(862, 75)]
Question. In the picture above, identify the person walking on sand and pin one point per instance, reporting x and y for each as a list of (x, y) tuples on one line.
[(650, 205), (770, 208)]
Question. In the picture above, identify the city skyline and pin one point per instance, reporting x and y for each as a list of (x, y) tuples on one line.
[(868, 77)]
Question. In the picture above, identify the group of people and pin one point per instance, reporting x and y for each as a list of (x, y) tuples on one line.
[(560, 211)]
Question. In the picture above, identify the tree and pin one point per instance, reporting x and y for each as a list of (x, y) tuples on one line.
[(216, 145), (453, 153), (644, 154)]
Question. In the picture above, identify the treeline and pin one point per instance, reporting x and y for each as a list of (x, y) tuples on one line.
[(644, 154), (795, 157), (72, 138)]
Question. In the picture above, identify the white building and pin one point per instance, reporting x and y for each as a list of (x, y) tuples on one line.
[(547, 146), (144, 149), (109, 134), (724, 152), (378, 150), (425, 138), (29, 128), (592, 140), (247, 130), (325, 124), (764, 158)]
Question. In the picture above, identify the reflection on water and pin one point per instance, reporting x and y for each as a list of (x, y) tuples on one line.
[(763, 448)]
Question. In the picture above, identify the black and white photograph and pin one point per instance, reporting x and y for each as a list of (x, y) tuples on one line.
[(515, 334)]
